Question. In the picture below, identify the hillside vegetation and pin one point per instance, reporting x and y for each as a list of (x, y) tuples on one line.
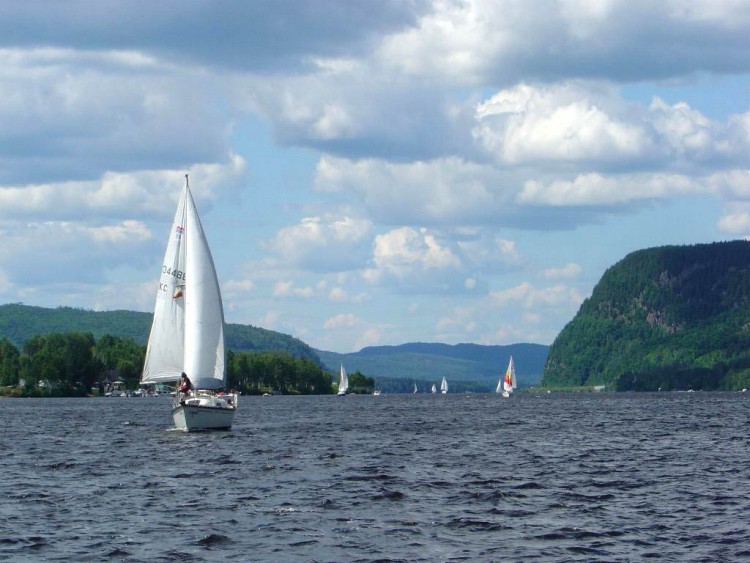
[(674, 317), (20, 323)]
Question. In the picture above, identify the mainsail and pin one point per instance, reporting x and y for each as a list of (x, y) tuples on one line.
[(343, 381), (187, 333), (509, 382)]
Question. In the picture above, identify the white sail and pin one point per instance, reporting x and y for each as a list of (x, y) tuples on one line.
[(415, 388), (187, 333), (433, 388), (444, 386), (509, 381), (343, 381)]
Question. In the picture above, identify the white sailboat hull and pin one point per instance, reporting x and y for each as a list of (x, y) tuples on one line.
[(207, 412)]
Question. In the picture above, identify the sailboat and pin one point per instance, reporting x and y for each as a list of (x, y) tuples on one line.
[(415, 388), (433, 389), (507, 384), (187, 333), (343, 381), (444, 386)]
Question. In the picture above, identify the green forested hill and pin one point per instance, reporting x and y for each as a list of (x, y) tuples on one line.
[(470, 367), (20, 323), (674, 317)]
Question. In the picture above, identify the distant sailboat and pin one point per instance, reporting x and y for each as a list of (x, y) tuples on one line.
[(415, 388), (433, 389), (444, 386), (343, 381), (187, 333), (508, 383)]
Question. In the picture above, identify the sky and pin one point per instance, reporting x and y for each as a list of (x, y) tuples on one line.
[(368, 172)]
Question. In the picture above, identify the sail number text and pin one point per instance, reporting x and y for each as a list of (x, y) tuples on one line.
[(178, 274)]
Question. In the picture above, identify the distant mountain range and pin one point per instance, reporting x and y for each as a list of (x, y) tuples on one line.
[(425, 363), (394, 368)]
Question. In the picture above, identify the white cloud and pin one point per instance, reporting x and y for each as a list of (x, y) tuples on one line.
[(356, 332), (74, 252), (571, 270), (141, 194), (414, 260), (486, 41), (490, 254), (511, 315), (342, 320), (449, 190), (599, 190), (287, 289), (341, 295), (88, 113), (323, 244), (735, 223), (567, 123), (527, 296), (732, 185)]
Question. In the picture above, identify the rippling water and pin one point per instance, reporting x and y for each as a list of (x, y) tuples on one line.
[(579, 477)]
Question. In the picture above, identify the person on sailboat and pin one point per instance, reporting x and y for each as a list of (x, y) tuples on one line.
[(185, 384)]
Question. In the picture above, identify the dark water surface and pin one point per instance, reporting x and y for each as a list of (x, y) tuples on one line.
[(586, 477)]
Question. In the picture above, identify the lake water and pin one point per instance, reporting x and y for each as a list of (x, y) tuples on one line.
[(560, 477)]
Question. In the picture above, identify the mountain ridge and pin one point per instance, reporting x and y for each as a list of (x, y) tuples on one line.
[(19, 323), (429, 362), (670, 318)]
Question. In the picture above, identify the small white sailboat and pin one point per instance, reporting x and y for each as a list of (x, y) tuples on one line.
[(343, 381), (187, 333), (433, 389), (444, 386), (415, 388), (507, 384)]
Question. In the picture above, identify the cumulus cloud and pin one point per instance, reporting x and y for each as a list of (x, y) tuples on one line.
[(70, 252), (567, 123), (591, 125), (490, 253), (341, 111), (483, 41), (599, 190), (116, 195), (323, 244), (412, 259), (362, 333), (258, 36), (342, 320), (66, 116), (286, 288), (528, 296), (440, 191), (511, 315), (736, 223), (571, 270)]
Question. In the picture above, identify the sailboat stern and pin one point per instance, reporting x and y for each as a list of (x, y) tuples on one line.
[(204, 411)]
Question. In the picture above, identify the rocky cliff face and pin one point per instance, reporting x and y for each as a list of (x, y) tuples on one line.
[(658, 315)]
